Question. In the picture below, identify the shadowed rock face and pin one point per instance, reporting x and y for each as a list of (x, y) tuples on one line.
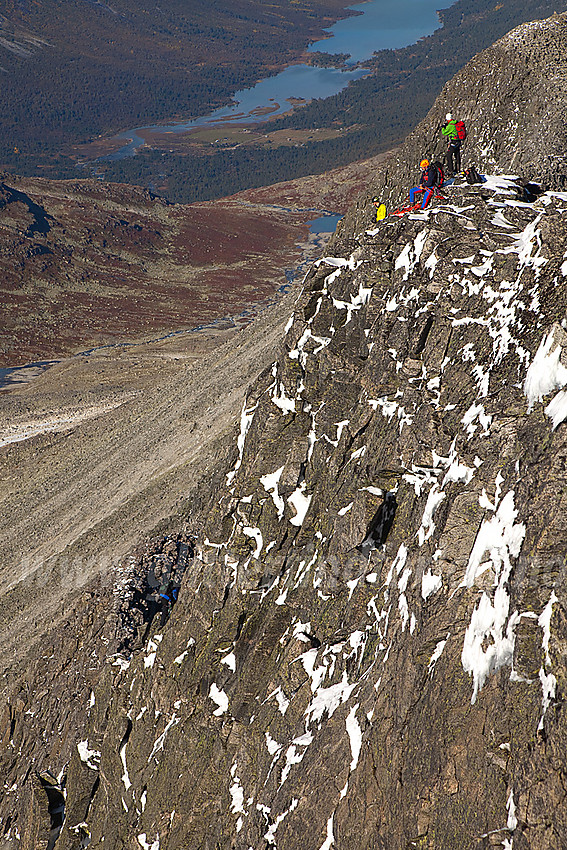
[(368, 648)]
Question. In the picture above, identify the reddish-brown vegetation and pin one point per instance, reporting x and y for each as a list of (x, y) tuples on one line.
[(84, 263)]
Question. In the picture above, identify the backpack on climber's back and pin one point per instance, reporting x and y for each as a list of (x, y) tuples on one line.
[(439, 173), (461, 130)]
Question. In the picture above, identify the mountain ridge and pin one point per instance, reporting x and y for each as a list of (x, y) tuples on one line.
[(368, 645), (496, 123)]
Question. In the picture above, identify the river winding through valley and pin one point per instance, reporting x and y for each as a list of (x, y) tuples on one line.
[(378, 25)]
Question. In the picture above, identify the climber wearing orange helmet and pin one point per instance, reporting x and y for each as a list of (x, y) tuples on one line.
[(431, 179)]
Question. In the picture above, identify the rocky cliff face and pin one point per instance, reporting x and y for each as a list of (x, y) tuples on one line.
[(512, 98), (368, 645)]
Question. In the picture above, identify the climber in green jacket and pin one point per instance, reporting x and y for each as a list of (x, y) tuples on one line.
[(449, 129)]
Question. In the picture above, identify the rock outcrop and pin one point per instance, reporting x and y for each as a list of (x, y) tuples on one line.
[(368, 646), (512, 98)]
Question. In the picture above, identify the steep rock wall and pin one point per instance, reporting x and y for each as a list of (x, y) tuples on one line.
[(368, 649)]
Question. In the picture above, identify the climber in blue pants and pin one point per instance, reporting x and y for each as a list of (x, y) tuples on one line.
[(429, 181)]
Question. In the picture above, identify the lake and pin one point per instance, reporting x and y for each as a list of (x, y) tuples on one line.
[(381, 24)]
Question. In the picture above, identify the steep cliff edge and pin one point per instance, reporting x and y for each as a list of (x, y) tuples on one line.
[(512, 98), (368, 646)]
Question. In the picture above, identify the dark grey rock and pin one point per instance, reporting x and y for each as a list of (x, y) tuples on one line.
[(368, 648)]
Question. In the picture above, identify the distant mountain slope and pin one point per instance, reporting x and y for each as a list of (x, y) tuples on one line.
[(85, 263)]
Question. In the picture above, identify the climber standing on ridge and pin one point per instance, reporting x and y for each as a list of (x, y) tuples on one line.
[(451, 131), (430, 180)]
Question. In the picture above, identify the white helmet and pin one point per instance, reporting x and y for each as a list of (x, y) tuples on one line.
[(448, 116)]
